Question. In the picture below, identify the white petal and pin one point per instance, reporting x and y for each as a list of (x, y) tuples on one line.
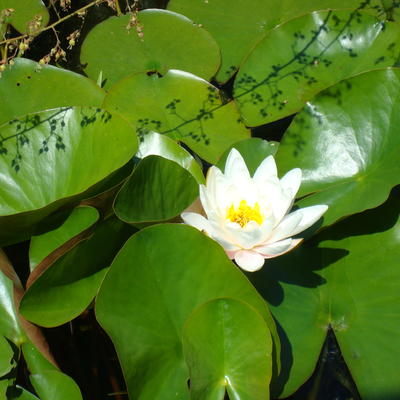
[(249, 260), (245, 238), (280, 208), (292, 180), (309, 216), (278, 248), (286, 227), (266, 170), (197, 221), (235, 167)]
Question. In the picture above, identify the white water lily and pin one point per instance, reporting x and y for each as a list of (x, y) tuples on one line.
[(249, 216)]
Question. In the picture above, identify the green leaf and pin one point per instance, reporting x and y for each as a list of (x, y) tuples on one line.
[(181, 106), (19, 393), (300, 58), (159, 145), (253, 150), (6, 356), (237, 27), (51, 158), (79, 220), (48, 381), (9, 321), (157, 190), (346, 142), (348, 279), (25, 12), (74, 275), (161, 40), (221, 354), (157, 279), (27, 87)]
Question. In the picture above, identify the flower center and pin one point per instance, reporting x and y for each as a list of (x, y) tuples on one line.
[(244, 213)]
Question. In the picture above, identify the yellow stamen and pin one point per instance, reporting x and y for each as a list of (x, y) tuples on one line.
[(244, 213)]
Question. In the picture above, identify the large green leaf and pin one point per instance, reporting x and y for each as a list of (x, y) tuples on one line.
[(347, 143), (157, 190), (237, 27), (75, 274), (168, 40), (80, 219), (227, 345), (19, 393), (180, 105), (48, 381), (50, 158), (159, 145), (300, 58), (27, 87), (158, 278), (24, 12), (348, 279)]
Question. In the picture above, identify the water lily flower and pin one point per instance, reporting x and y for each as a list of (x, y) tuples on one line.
[(249, 216)]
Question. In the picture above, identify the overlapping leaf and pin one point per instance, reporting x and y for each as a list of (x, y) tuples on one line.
[(171, 269), (50, 158), (237, 27), (347, 144), (298, 59), (158, 41), (181, 106), (347, 278), (222, 355)]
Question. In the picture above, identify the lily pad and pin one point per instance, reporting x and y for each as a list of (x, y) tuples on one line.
[(166, 41), (25, 12), (237, 27), (6, 355), (169, 281), (51, 158), (27, 87), (346, 142), (226, 357), (159, 145), (157, 190), (75, 272), (41, 246), (181, 106), (347, 278), (298, 59)]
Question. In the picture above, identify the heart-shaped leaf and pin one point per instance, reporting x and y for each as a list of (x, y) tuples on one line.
[(160, 40), (298, 59), (157, 190), (171, 269), (181, 106), (227, 346), (346, 142)]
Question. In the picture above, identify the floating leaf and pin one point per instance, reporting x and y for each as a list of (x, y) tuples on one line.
[(157, 190), (160, 40), (19, 393), (348, 279), (51, 158), (310, 53), (237, 27), (27, 87), (181, 106), (346, 142), (171, 269), (75, 274), (159, 145), (221, 354), (6, 355), (24, 12), (41, 246)]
